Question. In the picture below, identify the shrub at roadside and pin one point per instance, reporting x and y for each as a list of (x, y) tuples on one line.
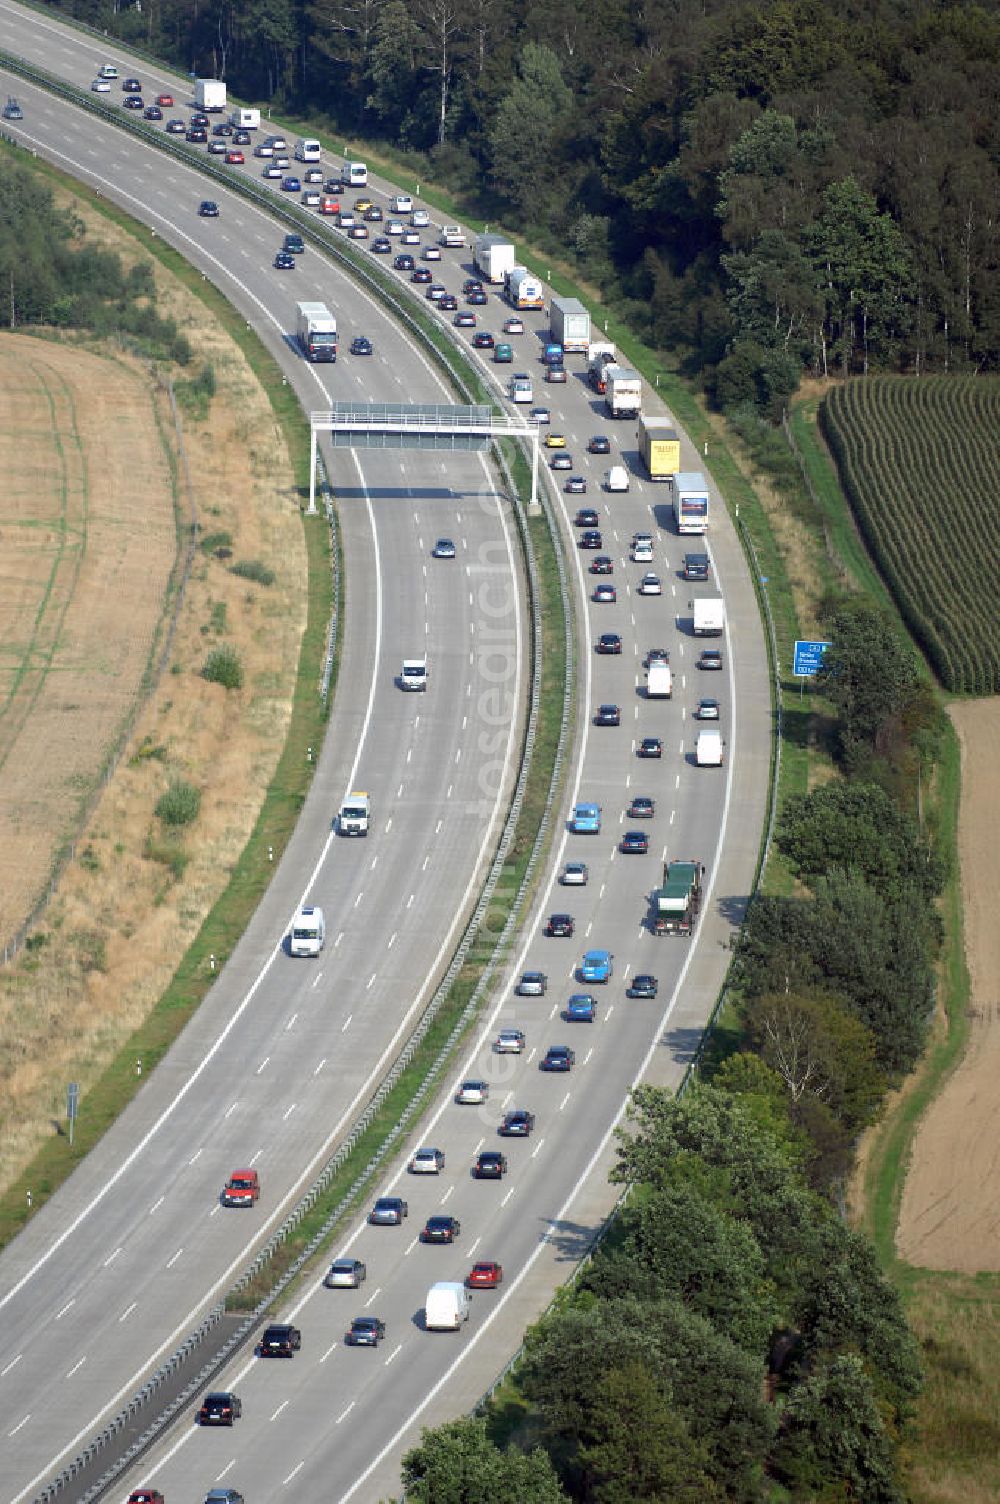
[(223, 666), (180, 804), (253, 569)]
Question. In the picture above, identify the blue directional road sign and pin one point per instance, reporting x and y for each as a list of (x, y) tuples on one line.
[(808, 658)]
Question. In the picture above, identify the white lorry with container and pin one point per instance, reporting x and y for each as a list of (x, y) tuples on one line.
[(659, 681), (316, 329), (569, 325), (523, 289), (245, 119), (413, 676), (659, 447), (690, 502), (308, 931), (708, 616), (708, 750), (622, 391), (494, 257), (210, 95), (446, 1306), (355, 815)]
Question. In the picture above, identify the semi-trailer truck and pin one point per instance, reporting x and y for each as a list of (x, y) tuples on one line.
[(659, 448), (523, 289), (569, 325), (316, 328), (494, 257), (690, 502)]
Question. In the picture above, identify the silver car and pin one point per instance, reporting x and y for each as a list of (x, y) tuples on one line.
[(471, 1093), (533, 984), (427, 1162), (574, 875), (345, 1274), (509, 1042)]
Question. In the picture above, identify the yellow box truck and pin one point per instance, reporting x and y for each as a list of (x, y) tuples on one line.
[(659, 447)]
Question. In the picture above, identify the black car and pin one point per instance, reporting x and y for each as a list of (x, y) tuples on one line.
[(197, 134), (404, 262), (608, 715), (558, 1057), (220, 1409), (175, 127), (448, 303), (608, 642), (602, 564), (641, 808), (361, 345), (517, 1124), (591, 538), (471, 284), (294, 245), (421, 275), (365, 1331), (131, 86), (650, 746), (241, 138), (152, 112), (441, 1230), (586, 517), (132, 102), (477, 297), (280, 1341), (284, 261), (490, 1165), (696, 566), (634, 843), (599, 444), (388, 1211), (561, 926), (483, 341), (208, 209), (223, 128), (642, 985), (200, 119), (381, 246)]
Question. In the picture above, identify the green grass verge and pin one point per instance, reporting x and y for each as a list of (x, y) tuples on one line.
[(228, 918)]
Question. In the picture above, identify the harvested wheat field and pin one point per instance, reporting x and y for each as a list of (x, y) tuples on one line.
[(136, 894), (950, 1212), (87, 553)]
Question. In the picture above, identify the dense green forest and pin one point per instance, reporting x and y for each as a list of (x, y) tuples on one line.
[(765, 189)]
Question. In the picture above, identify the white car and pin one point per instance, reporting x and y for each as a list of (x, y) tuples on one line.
[(394, 227), (427, 1162), (100, 86), (263, 150), (509, 1042), (283, 162), (410, 237), (642, 553), (574, 875), (430, 252), (420, 219), (472, 1093), (650, 585)]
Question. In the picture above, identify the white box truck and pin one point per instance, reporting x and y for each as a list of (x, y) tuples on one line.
[(690, 502), (210, 95), (414, 674), (659, 682), (622, 391), (308, 931), (245, 120), (523, 289), (708, 616), (355, 814), (446, 1307), (569, 325), (493, 256), (708, 749), (616, 479), (316, 329), (659, 447)]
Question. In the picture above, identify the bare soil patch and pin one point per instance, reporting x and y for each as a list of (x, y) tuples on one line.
[(89, 541), (133, 900), (950, 1211)]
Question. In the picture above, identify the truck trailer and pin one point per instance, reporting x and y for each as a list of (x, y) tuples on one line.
[(523, 288), (690, 502), (245, 120), (622, 391), (316, 328), (708, 616), (674, 906), (494, 257), (659, 448), (569, 325), (210, 95)]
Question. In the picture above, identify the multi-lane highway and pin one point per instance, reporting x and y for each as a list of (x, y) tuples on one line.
[(116, 1268)]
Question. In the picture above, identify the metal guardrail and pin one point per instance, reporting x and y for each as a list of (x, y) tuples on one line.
[(385, 290)]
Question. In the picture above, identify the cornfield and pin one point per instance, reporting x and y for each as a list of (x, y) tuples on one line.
[(919, 461)]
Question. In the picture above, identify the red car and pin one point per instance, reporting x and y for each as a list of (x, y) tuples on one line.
[(484, 1276), (146, 1496), (235, 158), (166, 101), (241, 1189)]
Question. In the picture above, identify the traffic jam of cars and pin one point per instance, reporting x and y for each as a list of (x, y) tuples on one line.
[(528, 1041)]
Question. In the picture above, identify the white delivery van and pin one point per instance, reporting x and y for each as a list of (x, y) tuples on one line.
[(107, 70), (307, 149), (659, 682), (355, 813), (708, 749), (401, 203), (708, 616), (447, 1306), (414, 674), (308, 931), (355, 175), (616, 479)]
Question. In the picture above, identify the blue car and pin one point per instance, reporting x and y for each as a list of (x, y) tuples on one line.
[(581, 1009), (596, 966), (291, 185), (586, 820)]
